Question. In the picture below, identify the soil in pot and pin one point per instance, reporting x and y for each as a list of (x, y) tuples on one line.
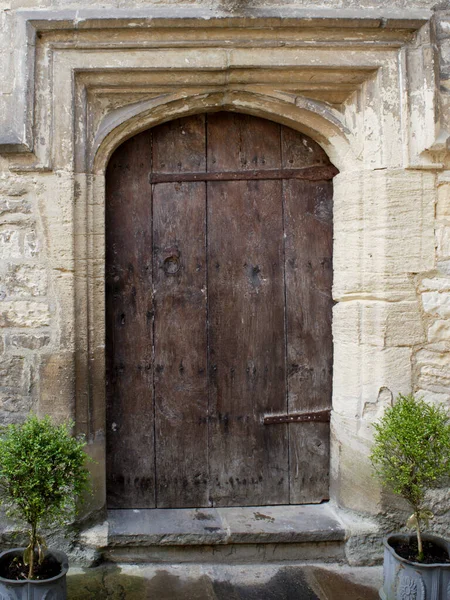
[(434, 554), (16, 570)]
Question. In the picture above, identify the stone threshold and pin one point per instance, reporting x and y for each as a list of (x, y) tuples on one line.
[(218, 526), (266, 534)]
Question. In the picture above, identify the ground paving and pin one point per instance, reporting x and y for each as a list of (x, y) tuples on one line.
[(224, 582)]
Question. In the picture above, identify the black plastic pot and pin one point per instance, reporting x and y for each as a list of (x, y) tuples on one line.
[(408, 580), (47, 589)]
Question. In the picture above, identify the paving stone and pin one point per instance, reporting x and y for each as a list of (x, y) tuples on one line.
[(224, 582)]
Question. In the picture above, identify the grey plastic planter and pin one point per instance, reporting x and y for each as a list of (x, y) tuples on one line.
[(48, 589), (407, 580)]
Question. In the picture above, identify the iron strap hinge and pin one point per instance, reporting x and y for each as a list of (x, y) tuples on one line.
[(320, 416)]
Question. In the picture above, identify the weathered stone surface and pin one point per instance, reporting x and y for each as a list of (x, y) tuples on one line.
[(166, 527), (352, 483), (10, 243), (12, 372), (433, 370), (437, 303), (31, 341), (244, 525), (57, 386), (24, 314), (443, 241), (14, 407), (434, 397), (24, 281), (439, 331), (12, 205), (438, 284), (30, 245), (376, 231), (443, 198), (378, 323), (360, 371), (269, 524)]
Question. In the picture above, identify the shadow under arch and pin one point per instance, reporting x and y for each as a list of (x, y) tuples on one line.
[(312, 118)]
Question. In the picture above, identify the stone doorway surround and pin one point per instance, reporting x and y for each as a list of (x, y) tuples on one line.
[(360, 84)]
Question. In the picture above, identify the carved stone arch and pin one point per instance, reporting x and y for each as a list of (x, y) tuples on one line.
[(318, 120)]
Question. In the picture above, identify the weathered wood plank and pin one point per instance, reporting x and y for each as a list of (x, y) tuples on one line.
[(308, 264), (238, 142), (179, 146), (301, 152), (248, 461), (129, 322), (179, 266), (181, 384)]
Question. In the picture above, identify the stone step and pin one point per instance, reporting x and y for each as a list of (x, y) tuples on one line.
[(242, 534)]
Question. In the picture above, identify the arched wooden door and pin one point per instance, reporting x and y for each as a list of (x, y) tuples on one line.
[(218, 315)]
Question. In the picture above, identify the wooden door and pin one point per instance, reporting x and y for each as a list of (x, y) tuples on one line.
[(218, 318)]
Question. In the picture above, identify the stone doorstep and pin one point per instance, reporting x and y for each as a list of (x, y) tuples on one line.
[(221, 526), (225, 535)]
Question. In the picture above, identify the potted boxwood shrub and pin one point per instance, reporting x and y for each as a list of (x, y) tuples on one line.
[(411, 455), (42, 474)]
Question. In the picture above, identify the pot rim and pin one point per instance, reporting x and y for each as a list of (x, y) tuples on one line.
[(428, 537), (60, 556)]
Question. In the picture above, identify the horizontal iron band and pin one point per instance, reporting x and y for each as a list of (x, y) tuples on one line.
[(308, 173), (322, 416)]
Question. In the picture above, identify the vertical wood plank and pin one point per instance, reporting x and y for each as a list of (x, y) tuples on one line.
[(308, 254), (300, 151), (181, 384), (129, 316), (248, 461), (238, 142), (179, 146)]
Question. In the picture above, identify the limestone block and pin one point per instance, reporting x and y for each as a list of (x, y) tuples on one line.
[(14, 407), (443, 241), (352, 483), (30, 244), (57, 385), (378, 323), (56, 205), (12, 372), (13, 205), (10, 243), (437, 303), (361, 371), (21, 313), (443, 199), (437, 398), (28, 341), (433, 371), (383, 226), (438, 284), (96, 536), (439, 331), (26, 280), (443, 267)]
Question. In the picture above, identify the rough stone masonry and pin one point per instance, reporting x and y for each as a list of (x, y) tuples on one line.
[(368, 80)]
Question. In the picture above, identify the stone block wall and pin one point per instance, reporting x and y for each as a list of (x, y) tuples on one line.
[(25, 307)]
